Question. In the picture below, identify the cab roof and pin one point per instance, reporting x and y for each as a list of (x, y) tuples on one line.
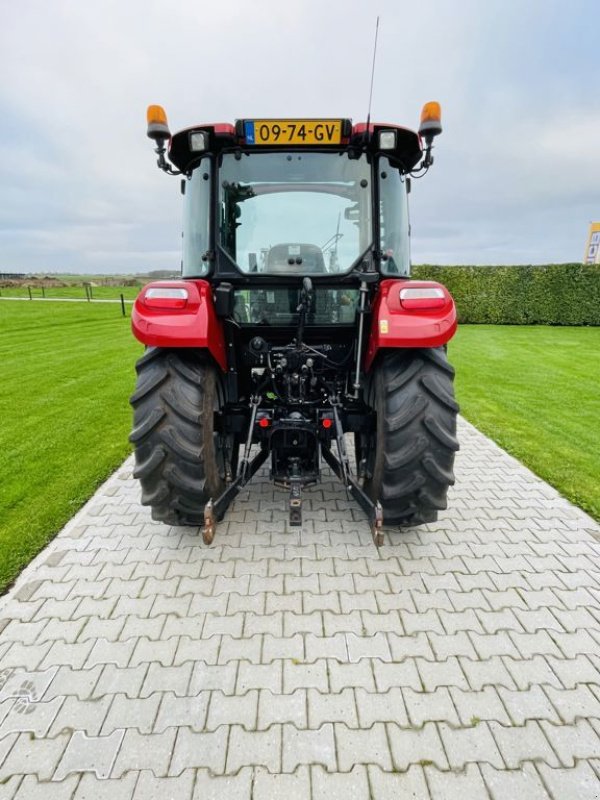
[(219, 136)]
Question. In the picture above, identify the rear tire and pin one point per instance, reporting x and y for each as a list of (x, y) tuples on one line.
[(177, 452), (411, 456)]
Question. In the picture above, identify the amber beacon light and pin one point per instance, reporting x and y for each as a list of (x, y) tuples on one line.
[(158, 127), (431, 120)]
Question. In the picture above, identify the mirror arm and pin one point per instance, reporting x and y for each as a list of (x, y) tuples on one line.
[(162, 162)]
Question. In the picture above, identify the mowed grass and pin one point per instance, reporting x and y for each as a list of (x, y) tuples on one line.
[(67, 372), (536, 391)]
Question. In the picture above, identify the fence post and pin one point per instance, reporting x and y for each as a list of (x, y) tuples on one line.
[(29, 290), (123, 305), (91, 293), (87, 292), (43, 292)]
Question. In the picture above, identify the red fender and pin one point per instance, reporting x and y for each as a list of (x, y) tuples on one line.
[(415, 322), (186, 319)]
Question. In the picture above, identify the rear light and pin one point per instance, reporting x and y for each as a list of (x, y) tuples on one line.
[(264, 422), (165, 297), (198, 141), (327, 423), (422, 297), (387, 140)]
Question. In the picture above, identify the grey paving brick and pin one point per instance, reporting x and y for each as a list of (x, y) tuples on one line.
[(334, 646), (150, 627), (491, 672), (332, 708), (280, 708), (89, 754), (27, 657), (581, 782), (306, 747), (145, 751), (525, 704), (207, 750), (527, 743), (128, 712), (127, 680), (423, 707), (342, 623), (181, 712), (304, 676), (475, 743), (339, 786), (441, 673), (233, 709), (67, 681), (408, 784), (410, 646), (486, 704), (571, 742), (374, 647), (149, 787), (110, 652), (82, 715), (254, 748), (385, 707), (426, 621), (27, 714), (302, 623), (416, 746), (457, 785), (203, 677), (226, 787), (25, 632), (269, 786), (206, 650), (362, 747), (360, 674), (258, 676), (274, 648), (31, 788), (92, 788), (517, 783), (572, 671), (146, 651), (108, 629)]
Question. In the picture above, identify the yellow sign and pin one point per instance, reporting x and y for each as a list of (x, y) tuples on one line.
[(592, 250), (293, 131)]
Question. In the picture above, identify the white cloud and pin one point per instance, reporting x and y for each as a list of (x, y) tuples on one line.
[(516, 176)]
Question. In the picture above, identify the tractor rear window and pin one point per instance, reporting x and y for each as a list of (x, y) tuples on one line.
[(279, 306), (294, 213)]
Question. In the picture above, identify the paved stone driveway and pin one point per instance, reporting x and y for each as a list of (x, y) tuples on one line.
[(461, 660)]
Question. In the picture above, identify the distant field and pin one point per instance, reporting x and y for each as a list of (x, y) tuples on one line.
[(73, 291), (67, 372), (536, 391)]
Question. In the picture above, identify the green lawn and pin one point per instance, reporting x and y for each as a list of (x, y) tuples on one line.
[(536, 391), (67, 372)]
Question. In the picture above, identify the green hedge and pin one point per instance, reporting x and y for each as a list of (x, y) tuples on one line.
[(554, 294)]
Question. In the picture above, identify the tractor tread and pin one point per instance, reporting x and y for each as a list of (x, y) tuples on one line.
[(415, 442), (173, 435)]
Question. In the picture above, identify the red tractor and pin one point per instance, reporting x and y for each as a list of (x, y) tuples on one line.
[(295, 331)]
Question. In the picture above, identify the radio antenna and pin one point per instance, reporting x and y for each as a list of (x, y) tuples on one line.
[(372, 76)]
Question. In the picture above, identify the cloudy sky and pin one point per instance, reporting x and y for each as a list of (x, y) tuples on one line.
[(517, 172)]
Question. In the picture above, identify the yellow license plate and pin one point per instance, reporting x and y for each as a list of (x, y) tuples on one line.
[(293, 131)]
